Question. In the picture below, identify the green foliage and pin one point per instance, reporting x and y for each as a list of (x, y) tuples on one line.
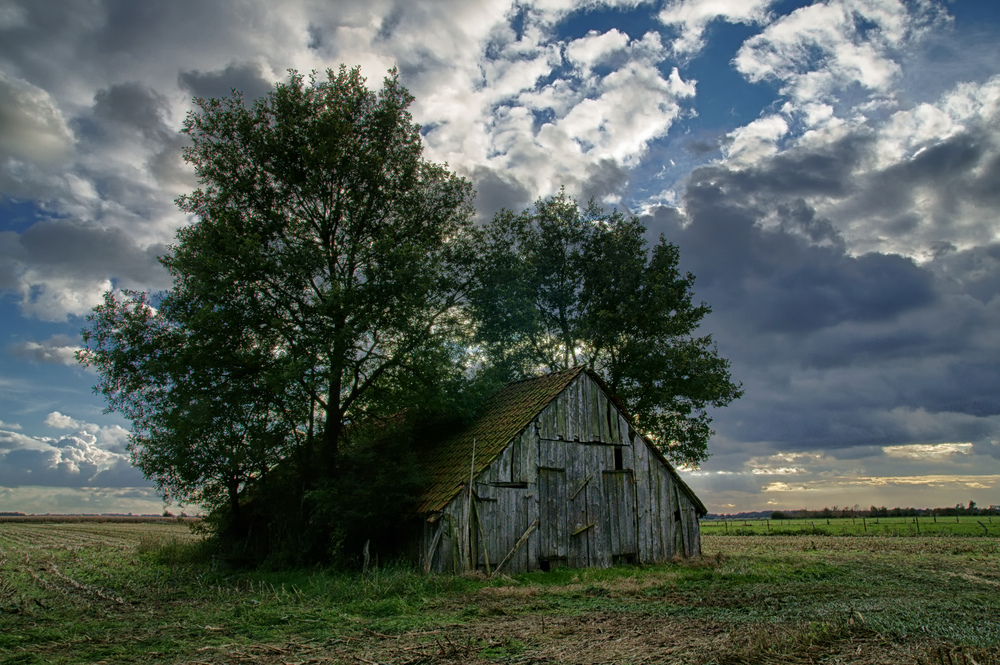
[(556, 287), (331, 296), (316, 290)]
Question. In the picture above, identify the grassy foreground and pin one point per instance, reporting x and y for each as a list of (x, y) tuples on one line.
[(137, 592)]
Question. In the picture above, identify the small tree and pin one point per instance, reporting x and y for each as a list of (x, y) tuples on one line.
[(556, 288)]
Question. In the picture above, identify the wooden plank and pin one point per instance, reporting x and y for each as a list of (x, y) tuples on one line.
[(561, 408), (530, 456), (577, 516), (532, 547), (679, 528), (520, 542), (665, 529), (572, 407), (595, 412), (600, 537), (613, 433), (612, 501), (517, 457), (630, 527), (554, 543), (644, 510), (619, 492)]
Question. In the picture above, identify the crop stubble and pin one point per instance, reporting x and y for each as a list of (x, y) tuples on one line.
[(83, 592)]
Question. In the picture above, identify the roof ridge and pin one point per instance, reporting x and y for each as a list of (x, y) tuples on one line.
[(575, 368)]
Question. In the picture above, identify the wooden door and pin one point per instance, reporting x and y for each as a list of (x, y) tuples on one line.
[(553, 522), (619, 497)]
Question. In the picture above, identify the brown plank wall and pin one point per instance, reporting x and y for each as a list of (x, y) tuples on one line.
[(561, 471)]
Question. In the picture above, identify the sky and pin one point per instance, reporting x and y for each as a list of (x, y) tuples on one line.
[(829, 170)]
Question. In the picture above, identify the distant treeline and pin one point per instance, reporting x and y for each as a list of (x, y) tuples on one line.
[(855, 511)]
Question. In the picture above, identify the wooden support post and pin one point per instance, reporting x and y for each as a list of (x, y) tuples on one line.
[(580, 488), (468, 510), (429, 560)]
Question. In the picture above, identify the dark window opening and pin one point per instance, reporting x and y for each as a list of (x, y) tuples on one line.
[(677, 515), (619, 459), (552, 562)]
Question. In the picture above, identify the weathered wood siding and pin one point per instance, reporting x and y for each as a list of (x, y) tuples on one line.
[(599, 493)]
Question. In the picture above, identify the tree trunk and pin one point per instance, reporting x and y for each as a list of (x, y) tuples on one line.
[(332, 427)]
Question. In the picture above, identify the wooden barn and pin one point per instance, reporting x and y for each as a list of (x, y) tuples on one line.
[(560, 477)]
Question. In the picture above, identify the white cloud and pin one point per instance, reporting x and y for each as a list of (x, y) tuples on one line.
[(59, 350), (756, 140), (693, 16), (590, 50), (825, 48), (9, 426), (58, 420), (32, 128), (910, 130), (88, 456), (56, 298), (932, 452)]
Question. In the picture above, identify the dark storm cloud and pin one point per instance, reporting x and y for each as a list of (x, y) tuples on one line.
[(976, 270), (120, 474), (130, 106), (989, 449), (245, 77), (778, 278), (944, 193), (602, 179), (822, 171), (838, 350), (963, 168), (86, 251), (496, 190)]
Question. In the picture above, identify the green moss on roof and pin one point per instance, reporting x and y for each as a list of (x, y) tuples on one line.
[(503, 417)]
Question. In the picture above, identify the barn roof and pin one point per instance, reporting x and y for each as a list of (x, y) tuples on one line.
[(503, 417)]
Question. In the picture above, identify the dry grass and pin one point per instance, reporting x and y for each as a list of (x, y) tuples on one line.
[(89, 592)]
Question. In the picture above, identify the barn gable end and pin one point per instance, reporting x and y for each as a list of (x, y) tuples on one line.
[(561, 478)]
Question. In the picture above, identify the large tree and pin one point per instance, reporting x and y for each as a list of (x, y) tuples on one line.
[(317, 286), (558, 286)]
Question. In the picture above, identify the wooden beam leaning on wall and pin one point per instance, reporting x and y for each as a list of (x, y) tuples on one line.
[(521, 541)]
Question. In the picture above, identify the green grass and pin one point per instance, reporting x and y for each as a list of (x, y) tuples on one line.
[(73, 593), (963, 526)]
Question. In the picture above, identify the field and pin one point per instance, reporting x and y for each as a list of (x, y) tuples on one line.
[(925, 525), (86, 592)]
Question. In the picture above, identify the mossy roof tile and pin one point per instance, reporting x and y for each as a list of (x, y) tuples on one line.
[(503, 417)]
